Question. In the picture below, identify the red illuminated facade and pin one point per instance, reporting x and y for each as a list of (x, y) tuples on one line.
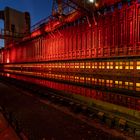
[(100, 61)]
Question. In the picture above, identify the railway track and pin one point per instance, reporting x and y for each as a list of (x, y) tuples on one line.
[(128, 125)]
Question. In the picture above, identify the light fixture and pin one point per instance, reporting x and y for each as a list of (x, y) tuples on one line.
[(92, 1)]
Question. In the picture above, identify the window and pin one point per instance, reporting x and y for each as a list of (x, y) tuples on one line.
[(71, 78), (55, 65), (138, 65), (118, 84), (129, 65), (109, 83), (63, 65), (101, 81), (94, 65), (71, 65), (67, 65), (129, 85), (82, 66), (94, 81), (137, 86), (76, 65), (109, 65), (100, 65), (63, 77), (76, 79), (59, 65), (118, 65), (88, 65), (103, 65), (82, 79), (88, 80)]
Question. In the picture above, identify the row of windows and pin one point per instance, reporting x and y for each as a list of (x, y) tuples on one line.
[(130, 102), (86, 80), (128, 65)]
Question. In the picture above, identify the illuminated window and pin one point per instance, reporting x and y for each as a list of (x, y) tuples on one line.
[(52, 65), (118, 65), (137, 86), (129, 85), (94, 81), (82, 66), (109, 83), (56, 76), (77, 65), (76, 79), (94, 65), (120, 84), (103, 65), (67, 65), (55, 65), (88, 80), (49, 66), (100, 65), (129, 65), (59, 77), (71, 78), (138, 65), (63, 65), (101, 81), (63, 77), (126, 65), (109, 65), (46, 66), (71, 65), (52, 75), (88, 65), (82, 79), (59, 65), (116, 83)]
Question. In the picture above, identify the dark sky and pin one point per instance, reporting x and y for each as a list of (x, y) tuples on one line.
[(39, 9)]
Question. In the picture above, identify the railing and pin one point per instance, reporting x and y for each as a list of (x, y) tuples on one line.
[(9, 34)]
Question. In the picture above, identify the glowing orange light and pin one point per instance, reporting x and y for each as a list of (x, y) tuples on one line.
[(7, 60), (97, 4)]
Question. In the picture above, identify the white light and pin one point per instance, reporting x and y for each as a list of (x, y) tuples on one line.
[(92, 1)]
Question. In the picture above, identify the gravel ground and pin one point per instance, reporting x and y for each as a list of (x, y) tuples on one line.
[(40, 121)]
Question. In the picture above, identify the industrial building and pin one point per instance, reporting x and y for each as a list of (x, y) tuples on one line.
[(85, 56)]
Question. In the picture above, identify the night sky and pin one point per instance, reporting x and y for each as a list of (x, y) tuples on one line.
[(39, 9)]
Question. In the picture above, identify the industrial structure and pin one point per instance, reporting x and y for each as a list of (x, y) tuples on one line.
[(88, 50), (14, 28)]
